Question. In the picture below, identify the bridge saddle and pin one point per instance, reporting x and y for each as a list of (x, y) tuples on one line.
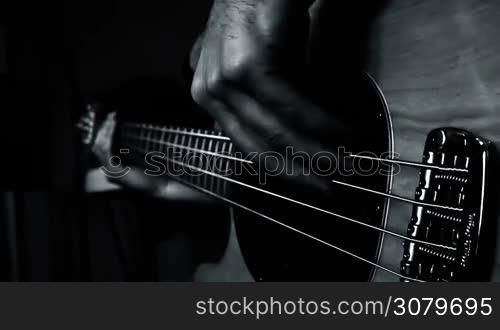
[(457, 176)]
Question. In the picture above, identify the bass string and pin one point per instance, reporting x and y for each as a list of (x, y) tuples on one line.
[(302, 204), (236, 204), (229, 157), (184, 131), (356, 187), (299, 232), (280, 223)]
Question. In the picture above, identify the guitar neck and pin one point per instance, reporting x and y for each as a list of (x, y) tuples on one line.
[(198, 157)]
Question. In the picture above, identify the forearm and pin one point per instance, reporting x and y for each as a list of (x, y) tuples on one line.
[(249, 77), (246, 12), (241, 4)]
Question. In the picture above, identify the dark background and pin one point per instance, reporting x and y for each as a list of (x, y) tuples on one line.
[(52, 56)]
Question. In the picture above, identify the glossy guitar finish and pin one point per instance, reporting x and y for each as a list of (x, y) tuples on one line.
[(466, 187), (437, 63), (275, 253)]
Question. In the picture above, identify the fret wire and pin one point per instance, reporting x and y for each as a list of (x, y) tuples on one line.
[(213, 161), (169, 138), (156, 143), (174, 150), (148, 138), (211, 153), (172, 139), (202, 160), (190, 139), (198, 159), (217, 148), (230, 150), (188, 154), (221, 166), (151, 144), (183, 142), (162, 138), (206, 178), (159, 134), (178, 130)]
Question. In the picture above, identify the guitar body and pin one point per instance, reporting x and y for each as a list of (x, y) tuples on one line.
[(433, 103), (275, 253), (437, 64)]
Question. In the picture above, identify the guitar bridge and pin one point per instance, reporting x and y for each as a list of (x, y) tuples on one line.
[(456, 175)]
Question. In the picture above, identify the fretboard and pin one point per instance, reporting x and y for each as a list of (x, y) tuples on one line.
[(201, 157)]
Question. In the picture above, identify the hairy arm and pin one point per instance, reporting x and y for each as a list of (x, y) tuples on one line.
[(250, 64)]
